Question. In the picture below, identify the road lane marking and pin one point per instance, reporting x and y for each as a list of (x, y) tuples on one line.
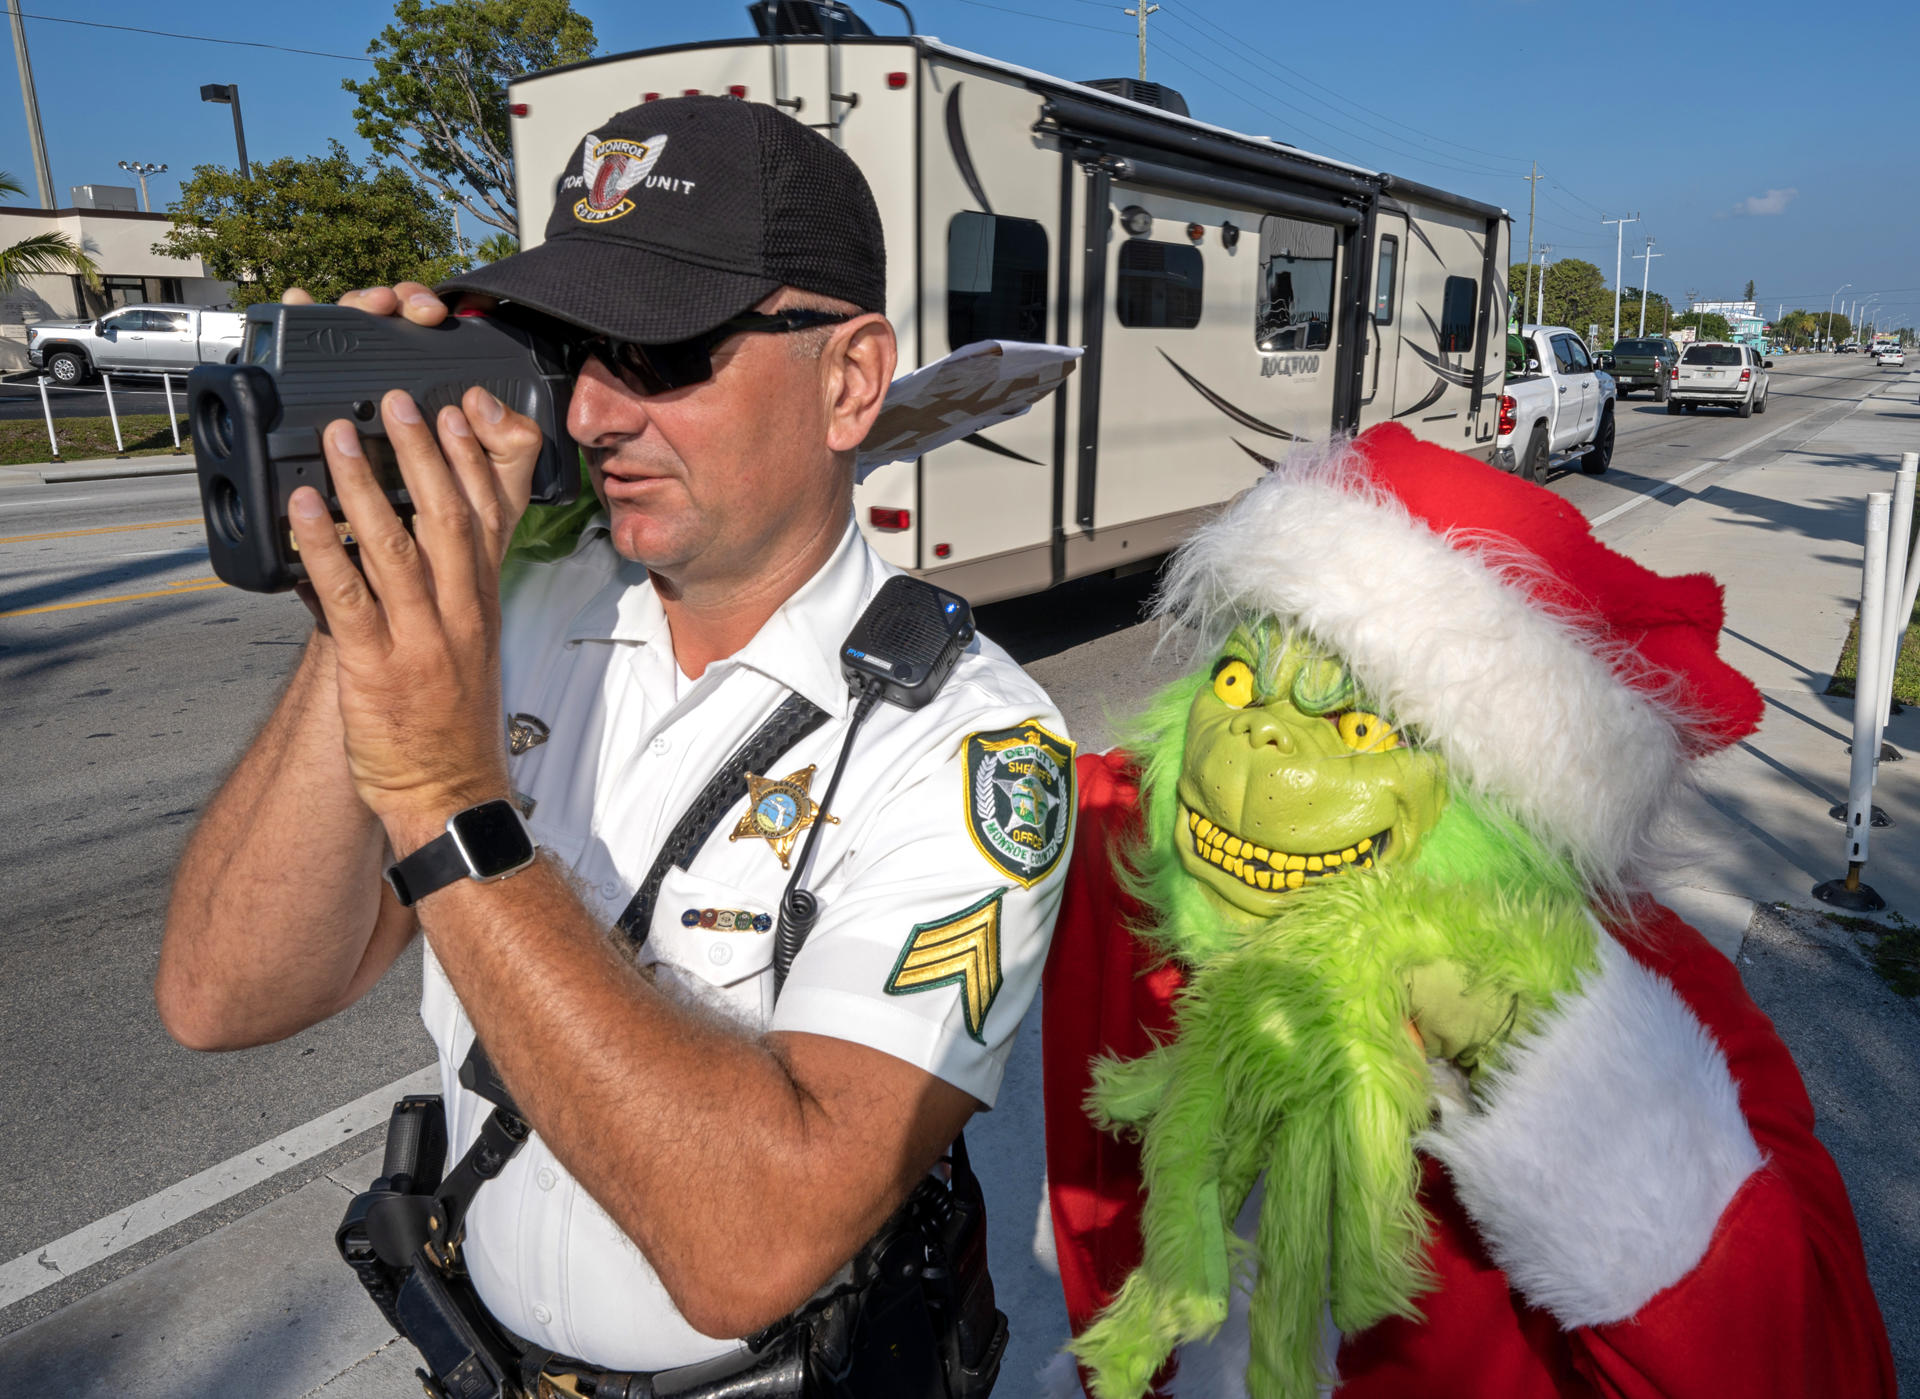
[(103, 529), (1686, 476), (40, 1268), (189, 585)]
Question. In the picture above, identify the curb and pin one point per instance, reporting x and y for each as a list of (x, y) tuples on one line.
[(110, 470)]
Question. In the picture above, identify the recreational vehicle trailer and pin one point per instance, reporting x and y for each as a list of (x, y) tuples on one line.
[(1234, 295)]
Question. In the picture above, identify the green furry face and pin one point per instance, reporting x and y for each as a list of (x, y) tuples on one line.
[(1288, 776)]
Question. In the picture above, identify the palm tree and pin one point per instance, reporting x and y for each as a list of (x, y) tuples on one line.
[(42, 253)]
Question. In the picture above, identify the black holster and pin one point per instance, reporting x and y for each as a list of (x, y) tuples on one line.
[(912, 1316)]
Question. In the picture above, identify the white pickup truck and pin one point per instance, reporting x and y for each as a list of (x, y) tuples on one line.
[(149, 339), (1558, 405)]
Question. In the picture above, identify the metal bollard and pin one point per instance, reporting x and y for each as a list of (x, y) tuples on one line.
[(1901, 577), (47, 409), (166, 383), (119, 447), (1850, 893)]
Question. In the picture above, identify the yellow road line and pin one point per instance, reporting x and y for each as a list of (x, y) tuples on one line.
[(190, 585), (103, 529)]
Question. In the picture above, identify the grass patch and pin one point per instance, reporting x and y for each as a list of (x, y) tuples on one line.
[(1906, 672), (1893, 948), (24, 440)]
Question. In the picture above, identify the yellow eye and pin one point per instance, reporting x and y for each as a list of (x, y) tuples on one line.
[(1233, 684), (1366, 733)]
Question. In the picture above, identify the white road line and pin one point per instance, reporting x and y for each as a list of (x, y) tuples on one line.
[(41, 1268), (1709, 464)]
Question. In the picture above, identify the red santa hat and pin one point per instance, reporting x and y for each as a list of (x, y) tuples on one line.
[(1556, 676)]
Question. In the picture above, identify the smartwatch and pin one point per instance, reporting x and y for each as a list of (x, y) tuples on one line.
[(485, 842)]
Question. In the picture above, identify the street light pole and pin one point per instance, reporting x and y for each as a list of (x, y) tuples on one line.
[(1646, 279), (1540, 311), (1141, 11), (229, 93), (42, 172), (143, 170), (1619, 246), (1828, 337)]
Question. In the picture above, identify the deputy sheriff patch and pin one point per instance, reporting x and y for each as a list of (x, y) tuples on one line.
[(1020, 799), (962, 951)]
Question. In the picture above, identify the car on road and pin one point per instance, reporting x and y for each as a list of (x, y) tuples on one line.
[(1893, 357), (1641, 364), (1558, 405), (1721, 374), (159, 338)]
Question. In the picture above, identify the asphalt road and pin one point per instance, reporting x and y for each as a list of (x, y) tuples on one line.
[(132, 681)]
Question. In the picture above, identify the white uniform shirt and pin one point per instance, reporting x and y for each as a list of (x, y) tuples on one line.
[(938, 886)]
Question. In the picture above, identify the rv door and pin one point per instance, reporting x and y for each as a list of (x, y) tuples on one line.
[(1383, 320)]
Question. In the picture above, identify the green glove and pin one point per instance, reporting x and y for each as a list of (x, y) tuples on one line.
[(1457, 1021)]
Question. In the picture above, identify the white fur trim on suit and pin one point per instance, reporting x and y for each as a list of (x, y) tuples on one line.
[(1529, 707), (1605, 1151)]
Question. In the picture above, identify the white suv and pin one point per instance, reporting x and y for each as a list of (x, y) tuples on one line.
[(1716, 372)]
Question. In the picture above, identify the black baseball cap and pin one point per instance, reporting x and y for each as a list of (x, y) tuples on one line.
[(674, 216)]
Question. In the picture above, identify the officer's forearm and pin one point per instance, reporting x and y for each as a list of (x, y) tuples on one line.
[(275, 920), (739, 1175)]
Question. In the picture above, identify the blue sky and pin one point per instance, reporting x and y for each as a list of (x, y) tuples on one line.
[(1665, 109)]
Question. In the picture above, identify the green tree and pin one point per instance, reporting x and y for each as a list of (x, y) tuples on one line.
[(322, 223), (1749, 288), (495, 247), (41, 253), (1576, 295), (437, 100), (1710, 325)]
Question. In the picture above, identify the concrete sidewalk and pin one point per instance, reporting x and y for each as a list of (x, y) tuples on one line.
[(47, 473), (263, 1308)]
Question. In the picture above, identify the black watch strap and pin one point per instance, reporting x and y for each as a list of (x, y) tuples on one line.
[(432, 867)]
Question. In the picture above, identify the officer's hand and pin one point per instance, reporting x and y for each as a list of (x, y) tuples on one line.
[(416, 626), (1453, 1020), (414, 300)]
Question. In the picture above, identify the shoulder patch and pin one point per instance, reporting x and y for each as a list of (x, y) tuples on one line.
[(1019, 799), (963, 951)]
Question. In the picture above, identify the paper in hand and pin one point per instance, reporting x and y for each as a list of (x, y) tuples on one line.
[(972, 389)]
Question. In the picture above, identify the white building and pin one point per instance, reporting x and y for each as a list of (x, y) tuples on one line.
[(120, 242)]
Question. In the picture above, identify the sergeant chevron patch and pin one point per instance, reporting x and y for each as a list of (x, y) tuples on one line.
[(962, 951)]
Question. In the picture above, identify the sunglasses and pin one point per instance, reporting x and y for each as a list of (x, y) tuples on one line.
[(652, 369)]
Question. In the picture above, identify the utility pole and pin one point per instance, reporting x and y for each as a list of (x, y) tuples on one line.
[(36, 138), (1141, 13), (1540, 311), (1533, 187), (1619, 247), (1646, 279)]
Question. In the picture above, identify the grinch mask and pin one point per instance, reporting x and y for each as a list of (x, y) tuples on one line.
[(1290, 776), (1324, 886)]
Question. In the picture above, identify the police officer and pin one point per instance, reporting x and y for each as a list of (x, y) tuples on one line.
[(704, 1156)]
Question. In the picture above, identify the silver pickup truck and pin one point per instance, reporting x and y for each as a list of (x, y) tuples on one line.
[(149, 339)]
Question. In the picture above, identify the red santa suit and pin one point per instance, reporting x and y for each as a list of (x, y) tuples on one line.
[(1638, 1209)]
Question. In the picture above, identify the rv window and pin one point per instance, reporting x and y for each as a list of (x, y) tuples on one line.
[(996, 279), (1159, 285), (1296, 285), (1456, 315), (1383, 287)]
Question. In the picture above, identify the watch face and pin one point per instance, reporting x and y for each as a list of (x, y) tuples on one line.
[(492, 838)]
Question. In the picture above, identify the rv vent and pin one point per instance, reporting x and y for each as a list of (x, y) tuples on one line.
[(805, 19), (1149, 94)]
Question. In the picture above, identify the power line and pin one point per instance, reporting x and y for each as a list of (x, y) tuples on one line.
[(1048, 19), (198, 38)]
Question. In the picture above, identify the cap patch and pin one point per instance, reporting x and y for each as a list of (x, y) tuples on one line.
[(608, 169)]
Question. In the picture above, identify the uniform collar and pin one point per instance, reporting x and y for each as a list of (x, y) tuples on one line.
[(799, 646)]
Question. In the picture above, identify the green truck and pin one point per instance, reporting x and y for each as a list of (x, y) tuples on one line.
[(1642, 364)]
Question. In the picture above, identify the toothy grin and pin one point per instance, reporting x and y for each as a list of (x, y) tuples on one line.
[(1275, 870)]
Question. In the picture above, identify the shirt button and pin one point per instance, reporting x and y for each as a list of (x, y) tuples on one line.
[(541, 1314), (610, 890), (720, 954), (546, 1178), (661, 744)]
